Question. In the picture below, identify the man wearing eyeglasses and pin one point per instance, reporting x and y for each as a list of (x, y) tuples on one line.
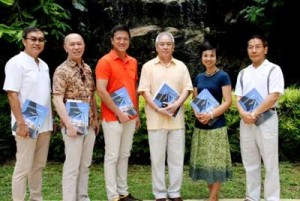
[(73, 80), (27, 77)]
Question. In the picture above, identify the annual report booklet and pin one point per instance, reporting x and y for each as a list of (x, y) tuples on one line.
[(78, 111), (164, 95), (122, 99), (34, 116), (251, 101), (205, 102)]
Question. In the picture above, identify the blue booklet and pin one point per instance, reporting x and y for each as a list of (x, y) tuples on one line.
[(204, 102), (122, 99), (34, 116), (164, 95), (78, 112), (251, 101)]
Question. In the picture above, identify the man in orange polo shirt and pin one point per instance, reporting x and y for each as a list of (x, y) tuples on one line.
[(113, 71)]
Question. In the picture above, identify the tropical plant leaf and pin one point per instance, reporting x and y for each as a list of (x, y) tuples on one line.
[(7, 2)]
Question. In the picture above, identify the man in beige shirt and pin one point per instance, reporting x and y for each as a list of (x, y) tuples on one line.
[(166, 133)]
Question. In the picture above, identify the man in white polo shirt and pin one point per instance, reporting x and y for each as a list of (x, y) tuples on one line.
[(27, 77), (259, 142)]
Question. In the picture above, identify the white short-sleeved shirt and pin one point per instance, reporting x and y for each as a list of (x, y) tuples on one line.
[(31, 81), (258, 78)]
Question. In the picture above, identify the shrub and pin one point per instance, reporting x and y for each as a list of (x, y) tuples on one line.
[(289, 132), (7, 140), (289, 125)]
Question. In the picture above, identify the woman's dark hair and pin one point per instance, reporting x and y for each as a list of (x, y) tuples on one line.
[(207, 45), (119, 28), (28, 30)]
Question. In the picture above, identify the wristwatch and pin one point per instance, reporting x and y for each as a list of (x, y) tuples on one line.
[(253, 114), (211, 114)]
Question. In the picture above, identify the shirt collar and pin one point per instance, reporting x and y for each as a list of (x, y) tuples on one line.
[(73, 63), (158, 61), (264, 63), (115, 56), (28, 57)]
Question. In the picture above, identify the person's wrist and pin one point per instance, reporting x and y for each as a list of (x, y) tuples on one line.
[(253, 114), (211, 114)]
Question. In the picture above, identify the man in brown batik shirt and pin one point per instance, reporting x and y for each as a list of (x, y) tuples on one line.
[(73, 80)]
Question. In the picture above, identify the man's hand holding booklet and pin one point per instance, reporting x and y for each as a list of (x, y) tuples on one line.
[(166, 95), (78, 112), (251, 101)]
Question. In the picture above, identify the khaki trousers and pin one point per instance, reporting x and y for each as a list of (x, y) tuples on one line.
[(31, 158), (118, 143), (79, 152)]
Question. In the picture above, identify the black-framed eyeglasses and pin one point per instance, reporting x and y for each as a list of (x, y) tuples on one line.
[(82, 75), (34, 39)]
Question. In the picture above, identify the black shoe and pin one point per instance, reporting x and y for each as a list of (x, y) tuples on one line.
[(129, 197), (176, 199)]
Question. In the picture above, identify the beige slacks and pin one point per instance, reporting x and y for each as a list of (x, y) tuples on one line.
[(31, 158)]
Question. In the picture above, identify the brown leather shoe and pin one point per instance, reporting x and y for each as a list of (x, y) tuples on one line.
[(175, 199), (161, 199)]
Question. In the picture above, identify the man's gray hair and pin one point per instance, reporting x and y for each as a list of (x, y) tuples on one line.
[(163, 34)]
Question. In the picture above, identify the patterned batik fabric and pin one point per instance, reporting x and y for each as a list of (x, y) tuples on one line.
[(210, 156)]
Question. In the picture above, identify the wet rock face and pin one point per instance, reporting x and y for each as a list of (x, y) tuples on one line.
[(185, 19), (177, 13)]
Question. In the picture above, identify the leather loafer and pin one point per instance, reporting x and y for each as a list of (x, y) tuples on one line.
[(176, 199), (129, 197), (161, 199)]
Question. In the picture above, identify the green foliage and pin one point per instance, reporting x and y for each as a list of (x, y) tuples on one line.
[(140, 185), (140, 147), (46, 14), (7, 141), (56, 148), (261, 12), (255, 12), (289, 133), (233, 123), (189, 119), (7, 2)]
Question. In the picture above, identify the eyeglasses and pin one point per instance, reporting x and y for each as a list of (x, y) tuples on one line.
[(33, 39), (82, 75)]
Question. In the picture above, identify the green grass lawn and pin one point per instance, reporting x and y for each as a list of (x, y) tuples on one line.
[(139, 180)]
